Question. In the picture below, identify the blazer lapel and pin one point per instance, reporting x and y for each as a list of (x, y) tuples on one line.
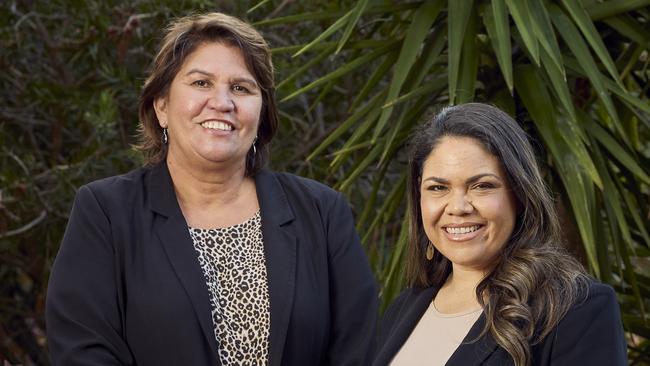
[(412, 312), (280, 253), (171, 228), (474, 350)]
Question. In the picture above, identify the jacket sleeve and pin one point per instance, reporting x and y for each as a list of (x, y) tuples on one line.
[(84, 323), (592, 332), (353, 291)]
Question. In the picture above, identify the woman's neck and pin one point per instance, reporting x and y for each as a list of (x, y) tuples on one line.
[(216, 197), (458, 293)]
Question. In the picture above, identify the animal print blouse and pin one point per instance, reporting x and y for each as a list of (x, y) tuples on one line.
[(232, 259)]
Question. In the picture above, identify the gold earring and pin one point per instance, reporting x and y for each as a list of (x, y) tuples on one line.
[(430, 251)]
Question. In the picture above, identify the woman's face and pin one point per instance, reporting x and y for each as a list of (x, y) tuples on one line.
[(468, 209), (212, 109)]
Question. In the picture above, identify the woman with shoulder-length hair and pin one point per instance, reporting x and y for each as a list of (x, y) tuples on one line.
[(489, 282), (203, 257)]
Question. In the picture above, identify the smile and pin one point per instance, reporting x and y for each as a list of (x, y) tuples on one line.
[(462, 230), (217, 125)]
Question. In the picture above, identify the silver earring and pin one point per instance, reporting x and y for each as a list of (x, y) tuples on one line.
[(430, 251), (254, 148), (165, 137)]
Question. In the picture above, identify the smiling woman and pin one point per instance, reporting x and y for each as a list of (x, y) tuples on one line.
[(203, 256), (490, 283)]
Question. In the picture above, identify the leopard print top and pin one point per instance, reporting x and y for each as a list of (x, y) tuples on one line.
[(232, 259)]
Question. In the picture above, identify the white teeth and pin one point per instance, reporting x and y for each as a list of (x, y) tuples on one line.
[(217, 125), (462, 230)]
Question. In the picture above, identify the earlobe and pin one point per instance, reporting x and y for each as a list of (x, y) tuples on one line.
[(160, 107)]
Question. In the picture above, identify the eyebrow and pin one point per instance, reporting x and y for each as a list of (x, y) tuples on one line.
[(469, 180), (211, 75)]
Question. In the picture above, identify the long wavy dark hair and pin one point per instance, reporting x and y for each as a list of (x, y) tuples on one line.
[(535, 281)]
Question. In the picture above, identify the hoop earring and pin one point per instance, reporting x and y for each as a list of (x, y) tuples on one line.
[(165, 138), (430, 251), (254, 148)]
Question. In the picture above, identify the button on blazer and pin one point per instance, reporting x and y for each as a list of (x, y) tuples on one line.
[(591, 333), (126, 287)]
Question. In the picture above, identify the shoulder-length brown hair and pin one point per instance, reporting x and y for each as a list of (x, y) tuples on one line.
[(534, 282), (182, 37)]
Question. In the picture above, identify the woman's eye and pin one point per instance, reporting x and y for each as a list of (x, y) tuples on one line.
[(436, 188), (240, 89), (484, 185), (201, 83)]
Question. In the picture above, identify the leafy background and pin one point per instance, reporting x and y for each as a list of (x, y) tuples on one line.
[(354, 77)]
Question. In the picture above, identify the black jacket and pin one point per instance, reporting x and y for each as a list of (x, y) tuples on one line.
[(127, 288), (591, 334)]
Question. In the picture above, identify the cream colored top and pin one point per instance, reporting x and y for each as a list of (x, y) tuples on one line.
[(435, 338)]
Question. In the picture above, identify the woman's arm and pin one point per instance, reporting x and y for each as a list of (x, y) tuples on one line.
[(84, 321), (353, 291), (591, 333)]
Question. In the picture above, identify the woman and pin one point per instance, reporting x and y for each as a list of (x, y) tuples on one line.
[(489, 285), (203, 257)]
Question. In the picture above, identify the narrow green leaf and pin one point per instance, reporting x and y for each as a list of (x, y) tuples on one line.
[(496, 22), (417, 32), (521, 15), (362, 44), (403, 126), (608, 9), (579, 48), (582, 19), (431, 53), (379, 73), (627, 97), (257, 6), (459, 12), (334, 14), (347, 124), (558, 82), (302, 69), (328, 32), (616, 150), (574, 141), (372, 155), (356, 14), (359, 134), (536, 100), (543, 30), (469, 62), (630, 29), (343, 70), (369, 205), (299, 18), (397, 258), (388, 207), (433, 86), (633, 209)]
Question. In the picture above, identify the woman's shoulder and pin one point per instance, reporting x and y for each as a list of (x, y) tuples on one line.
[(595, 294), (294, 184), (118, 186), (410, 296)]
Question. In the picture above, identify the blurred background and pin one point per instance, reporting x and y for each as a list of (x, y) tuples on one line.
[(354, 78)]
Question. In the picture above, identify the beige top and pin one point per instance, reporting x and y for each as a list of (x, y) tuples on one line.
[(435, 338)]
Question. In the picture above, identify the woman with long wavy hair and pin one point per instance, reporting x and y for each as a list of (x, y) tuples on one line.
[(489, 281)]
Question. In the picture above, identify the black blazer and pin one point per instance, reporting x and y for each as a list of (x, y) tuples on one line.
[(127, 288), (591, 333)]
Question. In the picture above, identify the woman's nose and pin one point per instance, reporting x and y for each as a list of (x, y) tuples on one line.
[(221, 100), (459, 204)]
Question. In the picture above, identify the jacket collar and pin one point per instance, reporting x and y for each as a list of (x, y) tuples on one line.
[(473, 350), (280, 245), (279, 249)]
